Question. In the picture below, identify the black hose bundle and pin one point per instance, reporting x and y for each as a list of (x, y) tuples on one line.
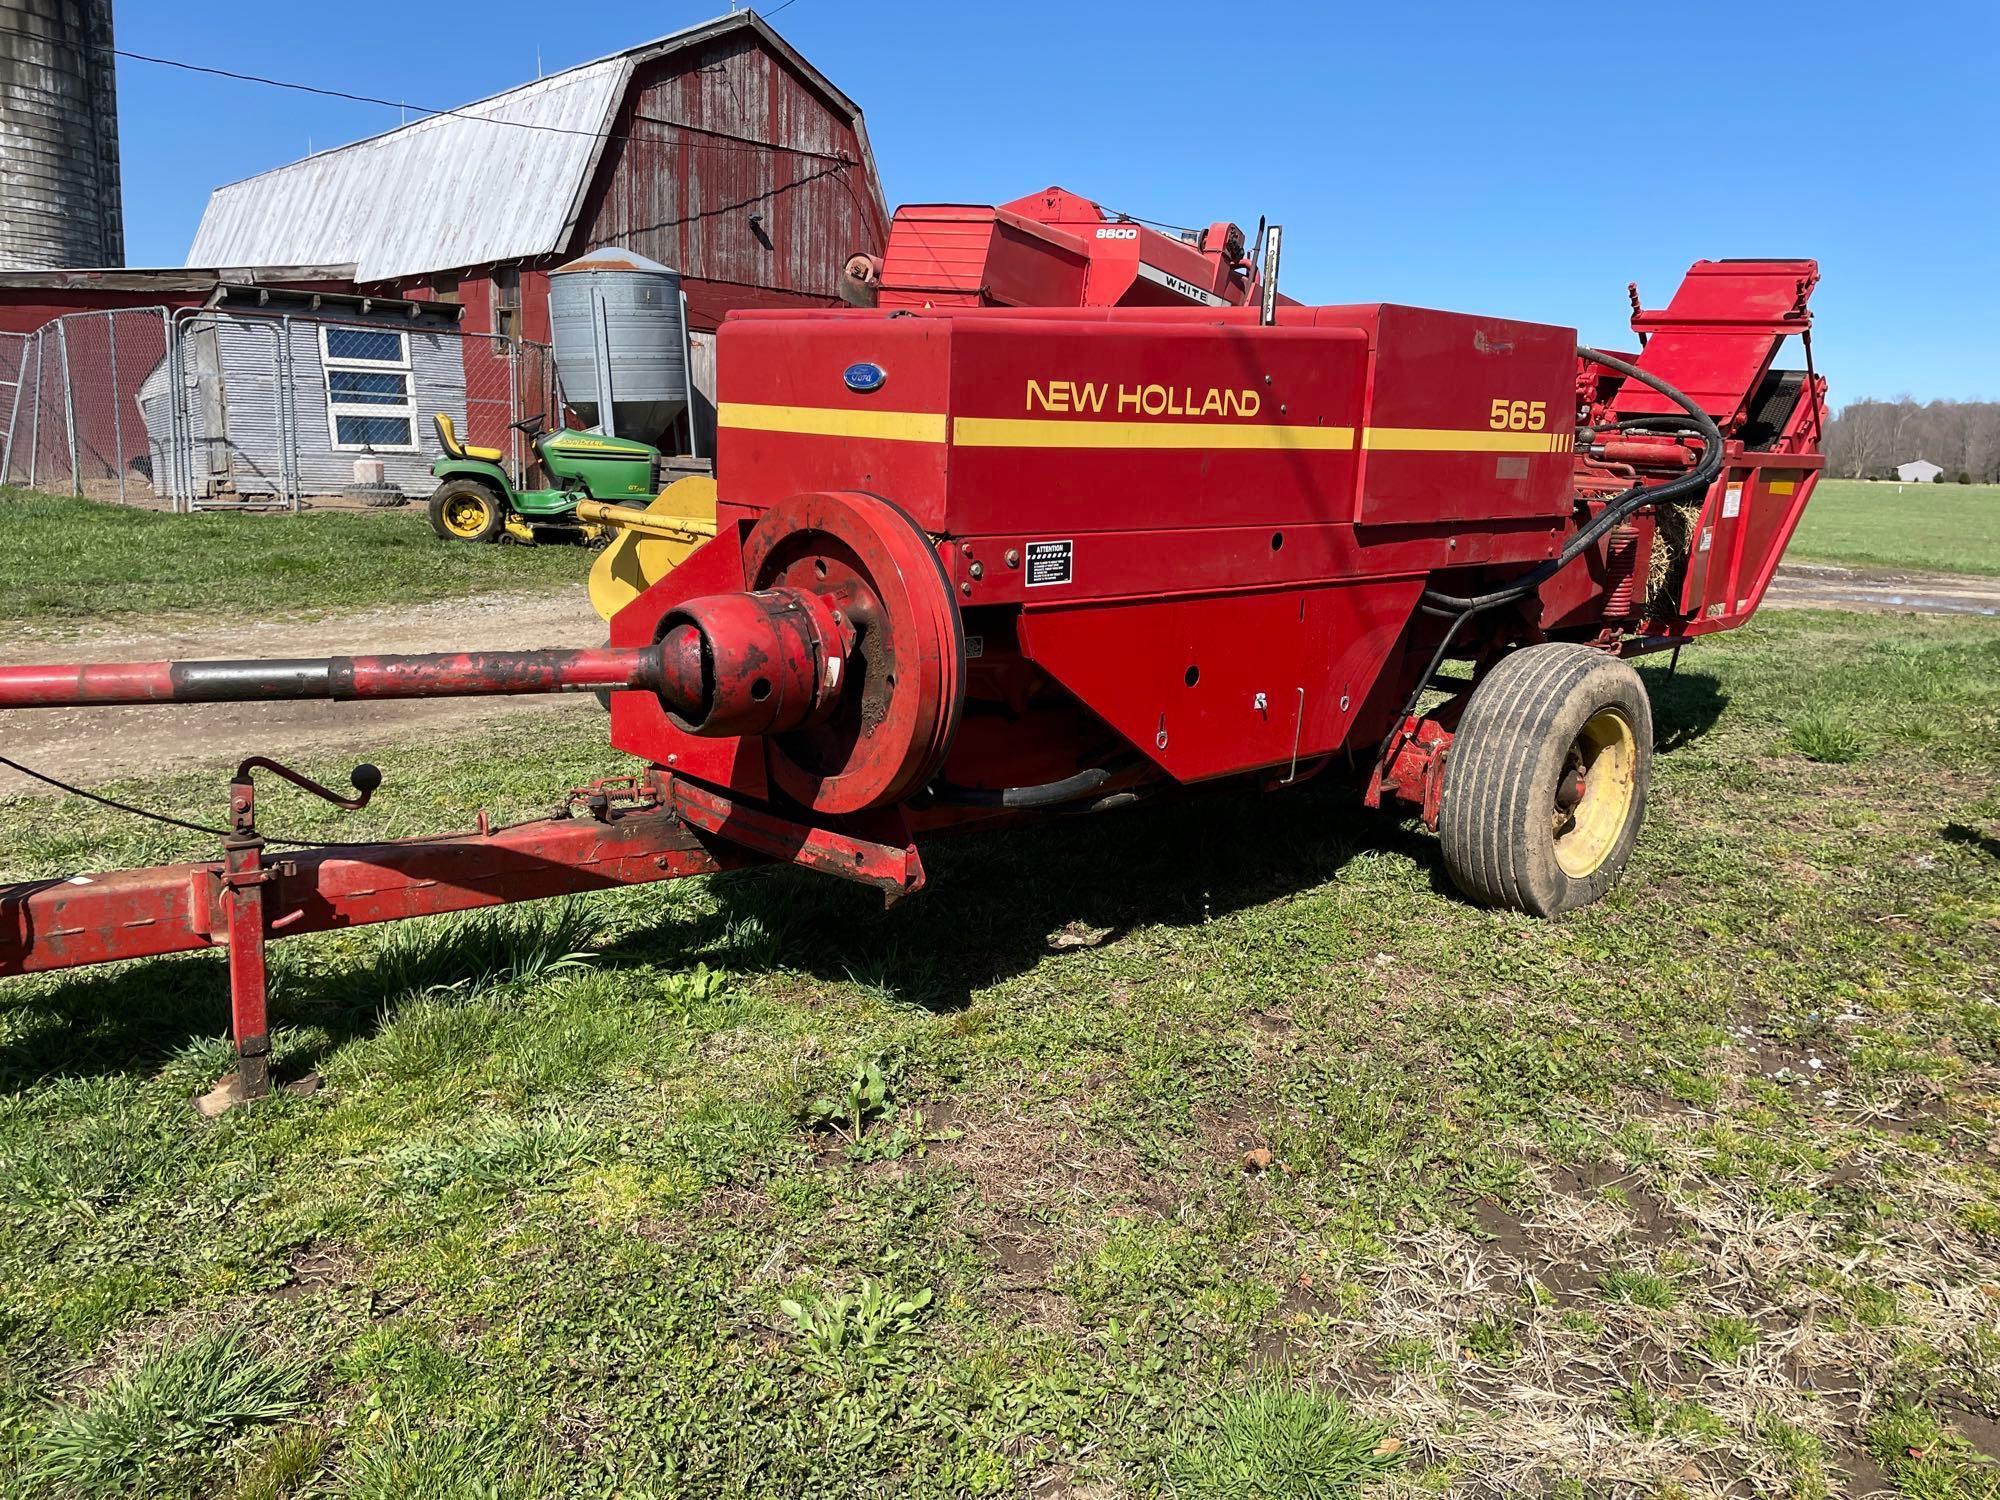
[(1696, 481)]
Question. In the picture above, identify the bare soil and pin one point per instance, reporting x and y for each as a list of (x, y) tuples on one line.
[(91, 746)]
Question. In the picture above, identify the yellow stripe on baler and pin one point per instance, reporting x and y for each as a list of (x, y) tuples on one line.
[(1036, 432), (1460, 440), (833, 421)]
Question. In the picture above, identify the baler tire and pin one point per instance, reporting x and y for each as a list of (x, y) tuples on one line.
[(466, 489), (1536, 715)]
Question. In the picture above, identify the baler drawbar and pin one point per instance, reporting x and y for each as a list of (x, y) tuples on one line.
[(975, 558)]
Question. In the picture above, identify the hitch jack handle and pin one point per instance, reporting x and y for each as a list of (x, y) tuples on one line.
[(240, 896)]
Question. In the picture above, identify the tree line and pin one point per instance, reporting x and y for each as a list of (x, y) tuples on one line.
[(1869, 438)]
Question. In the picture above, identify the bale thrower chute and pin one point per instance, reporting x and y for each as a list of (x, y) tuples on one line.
[(973, 560)]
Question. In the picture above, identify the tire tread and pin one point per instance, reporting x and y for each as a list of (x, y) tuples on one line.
[(1491, 777)]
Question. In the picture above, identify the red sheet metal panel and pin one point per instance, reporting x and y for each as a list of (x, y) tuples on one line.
[(953, 255), (1468, 418), (1720, 333), (1210, 686)]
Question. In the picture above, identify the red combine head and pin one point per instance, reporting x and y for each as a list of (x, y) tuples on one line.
[(1066, 522)]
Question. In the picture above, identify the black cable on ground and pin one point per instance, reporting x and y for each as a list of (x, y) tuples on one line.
[(159, 817)]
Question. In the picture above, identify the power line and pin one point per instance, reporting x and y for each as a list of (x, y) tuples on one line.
[(422, 109)]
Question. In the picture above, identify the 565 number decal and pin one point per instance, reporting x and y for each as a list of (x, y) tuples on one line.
[(1518, 416)]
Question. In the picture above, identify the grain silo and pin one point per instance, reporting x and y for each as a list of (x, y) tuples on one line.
[(619, 325), (58, 136)]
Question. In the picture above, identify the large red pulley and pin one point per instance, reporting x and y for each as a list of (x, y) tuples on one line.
[(902, 685)]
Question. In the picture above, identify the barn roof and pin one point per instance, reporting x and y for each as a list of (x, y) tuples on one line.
[(454, 190)]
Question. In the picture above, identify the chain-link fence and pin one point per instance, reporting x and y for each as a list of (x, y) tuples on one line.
[(203, 408)]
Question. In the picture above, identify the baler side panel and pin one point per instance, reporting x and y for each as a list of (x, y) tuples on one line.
[(1067, 427), (1741, 538), (787, 422), (1468, 418), (1179, 679)]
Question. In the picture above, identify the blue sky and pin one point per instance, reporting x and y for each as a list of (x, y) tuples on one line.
[(1487, 157)]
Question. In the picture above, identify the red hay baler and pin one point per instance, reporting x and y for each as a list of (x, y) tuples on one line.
[(977, 559)]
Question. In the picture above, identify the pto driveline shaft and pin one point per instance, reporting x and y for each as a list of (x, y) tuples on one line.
[(672, 669)]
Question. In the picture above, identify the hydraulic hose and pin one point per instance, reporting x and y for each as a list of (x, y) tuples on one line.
[(1461, 609), (1047, 794), (1695, 480)]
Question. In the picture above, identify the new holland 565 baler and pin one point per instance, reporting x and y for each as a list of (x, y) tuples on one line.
[(979, 556)]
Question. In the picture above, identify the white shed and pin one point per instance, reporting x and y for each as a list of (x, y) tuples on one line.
[(1918, 471)]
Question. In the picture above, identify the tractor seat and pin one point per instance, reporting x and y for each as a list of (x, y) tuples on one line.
[(448, 440)]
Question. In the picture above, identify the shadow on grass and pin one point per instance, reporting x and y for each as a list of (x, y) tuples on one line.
[(1971, 838), (1000, 902), (1686, 706), (132, 1019), (995, 901)]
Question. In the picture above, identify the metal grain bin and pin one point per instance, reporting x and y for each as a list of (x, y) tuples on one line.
[(620, 331)]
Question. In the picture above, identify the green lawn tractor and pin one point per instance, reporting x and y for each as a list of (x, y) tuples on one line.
[(475, 501)]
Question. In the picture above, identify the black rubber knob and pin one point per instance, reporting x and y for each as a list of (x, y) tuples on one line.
[(364, 778)]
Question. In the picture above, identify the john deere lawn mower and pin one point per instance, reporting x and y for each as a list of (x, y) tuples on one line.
[(475, 501)]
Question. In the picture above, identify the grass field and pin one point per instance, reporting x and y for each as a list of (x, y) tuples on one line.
[(1216, 1153), (1948, 528), (68, 559)]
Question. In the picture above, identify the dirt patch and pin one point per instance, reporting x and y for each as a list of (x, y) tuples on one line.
[(1804, 585), (1273, 1033), (1287, 1338), (93, 745), (318, 1268), (1977, 1429), (1864, 1475), (1043, 1190), (1653, 1221), (1570, 1275)]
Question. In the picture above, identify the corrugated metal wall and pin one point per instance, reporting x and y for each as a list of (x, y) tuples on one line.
[(253, 408), (253, 390), (718, 133)]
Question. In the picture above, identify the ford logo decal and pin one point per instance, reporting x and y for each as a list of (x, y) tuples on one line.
[(864, 377)]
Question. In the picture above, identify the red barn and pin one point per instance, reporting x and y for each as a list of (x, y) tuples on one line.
[(718, 150)]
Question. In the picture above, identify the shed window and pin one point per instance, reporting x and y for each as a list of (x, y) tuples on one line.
[(370, 403)]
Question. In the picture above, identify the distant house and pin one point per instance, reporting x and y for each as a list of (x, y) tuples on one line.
[(1918, 471)]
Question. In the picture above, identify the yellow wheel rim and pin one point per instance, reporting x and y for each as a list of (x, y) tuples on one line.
[(1594, 793), (467, 515)]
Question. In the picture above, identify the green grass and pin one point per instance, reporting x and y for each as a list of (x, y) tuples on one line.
[(66, 559), (745, 1187), (166, 1426), (1947, 528), (1273, 1442)]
